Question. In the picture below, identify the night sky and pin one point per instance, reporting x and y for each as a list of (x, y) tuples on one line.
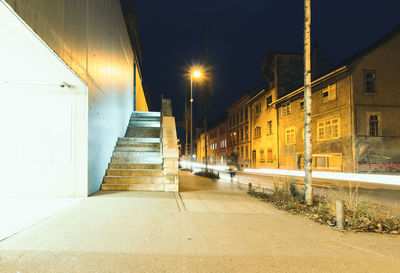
[(240, 32)]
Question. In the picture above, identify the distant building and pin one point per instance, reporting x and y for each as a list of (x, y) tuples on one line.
[(356, 114), (283, 72), (217, 144), (200, 148), (264, 145), (238, 125)]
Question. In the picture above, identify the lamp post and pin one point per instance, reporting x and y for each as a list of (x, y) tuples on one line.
[(195, 74)]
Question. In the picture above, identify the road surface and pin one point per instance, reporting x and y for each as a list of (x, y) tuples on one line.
[(211, 226)]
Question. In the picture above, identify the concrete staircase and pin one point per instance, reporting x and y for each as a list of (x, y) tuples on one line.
[(137, 163)]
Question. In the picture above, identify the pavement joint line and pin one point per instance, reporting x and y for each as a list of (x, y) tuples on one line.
[(359, 248), (183, 203), (177, 203)]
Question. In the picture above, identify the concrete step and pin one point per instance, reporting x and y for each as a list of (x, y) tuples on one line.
[(128, 166), (145, 114), (134, 172), (132, 187), (145, 123), (136, 154), (133, 180), (137, 149), (136, 145), (145, 118), (137, 160), (138, 140), (142, 132), (154, 118)]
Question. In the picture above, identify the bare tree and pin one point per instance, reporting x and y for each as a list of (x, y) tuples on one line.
[(307, 104)]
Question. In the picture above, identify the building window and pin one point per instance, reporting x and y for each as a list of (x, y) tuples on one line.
[(331, 161), (230, 121), (286, 110), (269, 155), (268, 101), (369, 79), (237, 117), (241, 152), (246, 113), (262, 156), (241, 115), (258, 108), (290, 136), (329, 93), (373, 124), (241, 134), (246, 132), (328, 129), (247, 151), (257, 132), (269, 127), (302, 104)]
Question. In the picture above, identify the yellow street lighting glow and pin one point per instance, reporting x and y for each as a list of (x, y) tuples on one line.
[(197, 74)]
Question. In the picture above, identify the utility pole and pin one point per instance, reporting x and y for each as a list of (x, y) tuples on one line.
[(307, 104), (186, 117), (206, 90)]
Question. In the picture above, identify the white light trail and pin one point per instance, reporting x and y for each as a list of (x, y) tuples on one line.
[(358, 177)]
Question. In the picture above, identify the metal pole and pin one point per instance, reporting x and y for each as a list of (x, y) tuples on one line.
[(186, 126), (340, 214), (191, 117), (307, 104)]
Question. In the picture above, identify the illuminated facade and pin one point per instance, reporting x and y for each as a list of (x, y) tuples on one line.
[(263, 135), (217, 144), (238, 136), (283, 73), (356, 113), (200, 149)]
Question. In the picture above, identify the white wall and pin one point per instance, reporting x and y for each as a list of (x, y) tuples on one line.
[(43, 117), (90, 36)]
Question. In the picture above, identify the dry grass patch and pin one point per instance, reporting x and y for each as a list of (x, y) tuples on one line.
[(360, 214)]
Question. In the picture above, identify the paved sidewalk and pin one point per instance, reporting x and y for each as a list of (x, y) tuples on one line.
[(210, 227)]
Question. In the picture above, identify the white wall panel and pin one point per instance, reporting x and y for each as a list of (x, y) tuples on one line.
[(91, 38), (43, 117)]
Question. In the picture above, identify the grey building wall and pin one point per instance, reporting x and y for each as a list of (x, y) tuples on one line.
[(90, 36), (378, 153), (290, 156)]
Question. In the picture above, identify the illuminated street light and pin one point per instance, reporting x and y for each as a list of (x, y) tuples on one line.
[(196, 74)]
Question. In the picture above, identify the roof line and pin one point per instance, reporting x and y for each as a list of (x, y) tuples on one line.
[(258, 94), (315, 82), (381, 40)]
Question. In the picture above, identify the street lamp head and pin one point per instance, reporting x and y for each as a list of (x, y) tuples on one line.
[(197, 74)]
